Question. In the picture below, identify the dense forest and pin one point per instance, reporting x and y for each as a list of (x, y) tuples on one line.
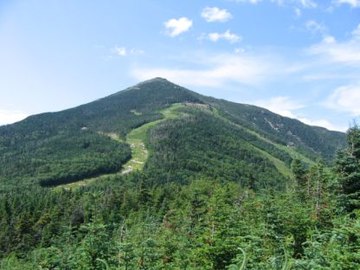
[(130, 222), (75, 144), (224, 186)]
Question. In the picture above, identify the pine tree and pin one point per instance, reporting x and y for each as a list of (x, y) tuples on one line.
[(348, 169), (299, 171)]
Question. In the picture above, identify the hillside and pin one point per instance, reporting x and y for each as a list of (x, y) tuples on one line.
[(208, 137), (160, 177)]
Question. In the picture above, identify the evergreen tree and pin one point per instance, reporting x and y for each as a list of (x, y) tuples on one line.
[(348, 169), (301, 181)]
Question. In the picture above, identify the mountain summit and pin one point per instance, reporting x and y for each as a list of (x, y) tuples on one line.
[(183, 134)]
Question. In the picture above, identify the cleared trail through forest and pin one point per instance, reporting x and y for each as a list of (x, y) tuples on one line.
[(136, 139)]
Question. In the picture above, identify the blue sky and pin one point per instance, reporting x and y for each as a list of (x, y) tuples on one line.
[(298, 58)]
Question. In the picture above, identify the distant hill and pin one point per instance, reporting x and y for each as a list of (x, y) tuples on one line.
[(203, 137)]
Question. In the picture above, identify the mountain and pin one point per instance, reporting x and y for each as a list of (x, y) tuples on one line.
[(160, 177), (184, 135)]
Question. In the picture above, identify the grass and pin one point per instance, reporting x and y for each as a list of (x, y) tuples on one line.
[(136, 139)]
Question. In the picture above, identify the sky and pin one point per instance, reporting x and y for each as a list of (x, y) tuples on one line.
[(297, 58)]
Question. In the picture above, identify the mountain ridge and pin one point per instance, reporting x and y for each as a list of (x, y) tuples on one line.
[(164, 80), (271, 139)]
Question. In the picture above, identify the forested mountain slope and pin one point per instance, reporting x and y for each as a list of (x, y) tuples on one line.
[(210, 137), (213, 185), (311, 141)]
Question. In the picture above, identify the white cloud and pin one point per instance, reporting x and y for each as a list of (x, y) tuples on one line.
[(136, 51), (345, 98), (249, 1), (322, 123), (346, 52), (228, 36), (215, 14), (176, 27), (120, 51), (278, 2), (356, 33), (295, 3), (123, 51), (287, 107), (352, 3), (300, 3), (239, 50), (9, 117), (280, 105), (329, 40), (298, 12), (314, 27), (308, 3), (216, 70)]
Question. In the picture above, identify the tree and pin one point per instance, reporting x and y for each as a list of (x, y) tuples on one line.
[(299, 172), (348, 169)]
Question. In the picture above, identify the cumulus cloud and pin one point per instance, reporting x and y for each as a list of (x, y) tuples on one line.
[(175, 27), (345, 98), (228, 36), (9, 116), (215, 14), (352, 3)]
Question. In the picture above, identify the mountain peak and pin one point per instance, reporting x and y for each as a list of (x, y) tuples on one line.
[(158, 79), (154, 80), (70, 135), (150, 83)]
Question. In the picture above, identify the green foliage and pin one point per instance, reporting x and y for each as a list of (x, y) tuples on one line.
[(68, 146), (310, 141), (202, 145), (63, 158), (211, 195), (348, 170), (200, 225)]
